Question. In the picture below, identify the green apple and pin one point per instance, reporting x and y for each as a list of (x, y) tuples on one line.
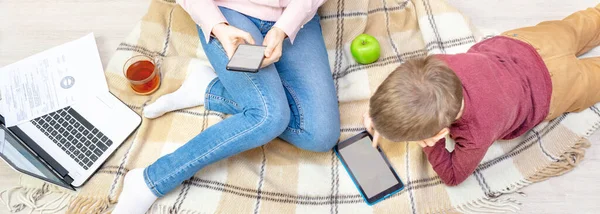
[(365, 49)]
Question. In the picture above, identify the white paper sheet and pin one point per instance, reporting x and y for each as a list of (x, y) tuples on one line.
[(51, 80)]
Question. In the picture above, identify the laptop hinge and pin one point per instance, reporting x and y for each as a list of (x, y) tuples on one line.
[(68, 179)]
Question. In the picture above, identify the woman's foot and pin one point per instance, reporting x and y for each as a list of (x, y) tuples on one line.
[(190, 94), (136, 197)]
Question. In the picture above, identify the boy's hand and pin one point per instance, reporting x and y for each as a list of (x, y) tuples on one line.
[(427, 143), (368, 123)]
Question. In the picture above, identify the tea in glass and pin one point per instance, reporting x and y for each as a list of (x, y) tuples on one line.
[(143, 75)]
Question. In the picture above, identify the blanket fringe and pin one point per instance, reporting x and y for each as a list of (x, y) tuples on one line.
[(567, 162), (490, 205), (495, 203), (88, 205), (162, 209), (30, 198)]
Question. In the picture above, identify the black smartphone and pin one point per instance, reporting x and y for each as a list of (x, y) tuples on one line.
[(369, 168), (247, 58)]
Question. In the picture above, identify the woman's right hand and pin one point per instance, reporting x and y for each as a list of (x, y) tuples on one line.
[(231, 37)]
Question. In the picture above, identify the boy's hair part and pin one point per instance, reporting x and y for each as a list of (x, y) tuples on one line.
[(417, 100)]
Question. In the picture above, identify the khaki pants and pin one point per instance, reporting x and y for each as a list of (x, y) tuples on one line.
[(575, 82)]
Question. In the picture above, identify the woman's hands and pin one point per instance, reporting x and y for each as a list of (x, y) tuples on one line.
[(274, 43), (231, 37)]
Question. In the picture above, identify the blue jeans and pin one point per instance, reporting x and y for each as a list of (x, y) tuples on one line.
[(294, 99)]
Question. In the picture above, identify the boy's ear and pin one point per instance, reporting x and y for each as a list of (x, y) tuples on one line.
[(441, 134)]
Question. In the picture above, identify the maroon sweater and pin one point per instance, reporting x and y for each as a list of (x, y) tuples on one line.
[(507, 90)]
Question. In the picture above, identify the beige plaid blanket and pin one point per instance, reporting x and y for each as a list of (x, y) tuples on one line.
[(279, 178)]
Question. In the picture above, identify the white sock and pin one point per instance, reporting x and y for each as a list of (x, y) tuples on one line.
[(136, 197), (190, 94)]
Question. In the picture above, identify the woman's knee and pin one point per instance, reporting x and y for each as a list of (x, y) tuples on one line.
[(320, 141), (272, 118), (318, 138)]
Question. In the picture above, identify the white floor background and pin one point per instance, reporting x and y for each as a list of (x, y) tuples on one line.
[(31, 26)]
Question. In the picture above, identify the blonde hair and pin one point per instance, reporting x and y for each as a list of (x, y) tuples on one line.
[(417, 100)]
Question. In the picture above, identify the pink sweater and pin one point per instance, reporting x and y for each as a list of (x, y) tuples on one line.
[(288, 15)]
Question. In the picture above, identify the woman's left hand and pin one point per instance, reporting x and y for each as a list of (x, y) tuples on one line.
[(274, 43)]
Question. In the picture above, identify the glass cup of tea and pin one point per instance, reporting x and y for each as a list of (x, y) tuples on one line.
[(143, 74)]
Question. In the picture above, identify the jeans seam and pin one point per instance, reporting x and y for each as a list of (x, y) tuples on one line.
[(262, 24), (151, 184), (298, 105), (208, 93), (295, 130), (219, 98), (224, 142)]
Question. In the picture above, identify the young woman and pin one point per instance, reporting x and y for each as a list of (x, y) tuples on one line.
[(292, 96)]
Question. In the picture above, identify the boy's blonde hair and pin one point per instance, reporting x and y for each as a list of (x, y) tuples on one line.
[(417, 100)]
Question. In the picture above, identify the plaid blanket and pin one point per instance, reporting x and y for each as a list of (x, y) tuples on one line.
[(279, 178)]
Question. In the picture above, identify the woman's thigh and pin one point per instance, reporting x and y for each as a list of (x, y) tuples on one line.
[(306, 75), (242, 85)]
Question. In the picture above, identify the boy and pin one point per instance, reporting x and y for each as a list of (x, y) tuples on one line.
[(501, 88)]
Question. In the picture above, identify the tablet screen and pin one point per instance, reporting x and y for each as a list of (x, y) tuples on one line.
[(369, 168)]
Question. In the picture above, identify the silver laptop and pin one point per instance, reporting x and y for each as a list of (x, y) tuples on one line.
[(66, 147)]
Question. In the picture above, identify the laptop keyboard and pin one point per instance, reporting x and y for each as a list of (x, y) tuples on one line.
[(74, 135)]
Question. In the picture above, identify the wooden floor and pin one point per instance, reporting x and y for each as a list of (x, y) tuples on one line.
[(30, 26)]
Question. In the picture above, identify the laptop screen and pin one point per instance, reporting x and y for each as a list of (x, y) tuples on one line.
[(19, 157)]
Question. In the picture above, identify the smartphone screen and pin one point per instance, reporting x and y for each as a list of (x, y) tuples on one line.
[(247, 58), (369, 168)]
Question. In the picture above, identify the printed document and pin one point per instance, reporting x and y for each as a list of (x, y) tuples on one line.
[(51, 80)]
